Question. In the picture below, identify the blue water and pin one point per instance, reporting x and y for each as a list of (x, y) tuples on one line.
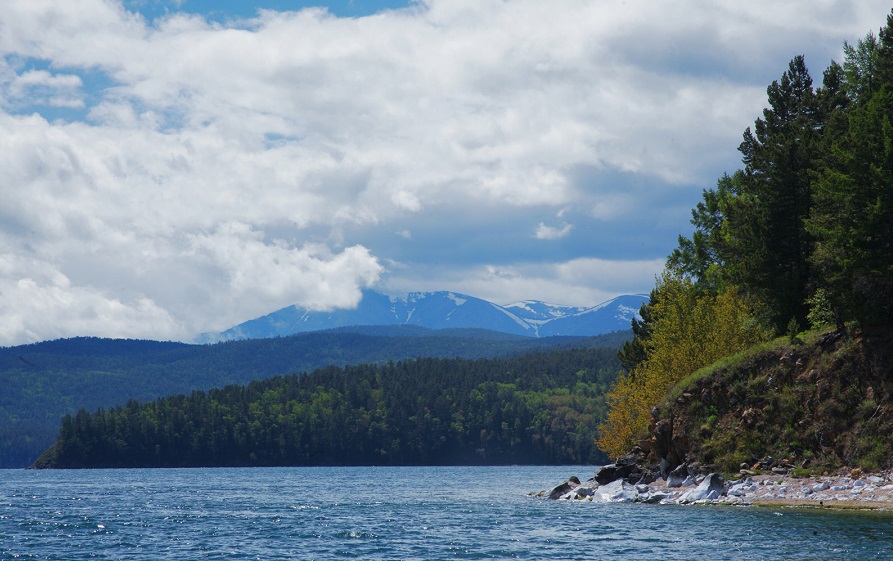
[(393, 513)]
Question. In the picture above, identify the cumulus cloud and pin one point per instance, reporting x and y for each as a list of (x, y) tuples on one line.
[(319, 278), (218, 170), (39, 302)]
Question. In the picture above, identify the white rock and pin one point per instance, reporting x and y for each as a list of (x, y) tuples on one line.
[(821, 487), (737, 491), (616, 491), (655, 497), (875, 479), (710, 488), (859, 484)]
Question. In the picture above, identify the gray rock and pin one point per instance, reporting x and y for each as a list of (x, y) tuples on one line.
[(739, 490), (711, 487), (653, 497), (623, 467), (558, 491), (583, 492), (677, 476), (617, 491)]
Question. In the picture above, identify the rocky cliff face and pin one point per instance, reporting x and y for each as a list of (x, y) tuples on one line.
[(819, 405)]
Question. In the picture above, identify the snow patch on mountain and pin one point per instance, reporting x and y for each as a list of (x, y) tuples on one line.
[(442, 310)]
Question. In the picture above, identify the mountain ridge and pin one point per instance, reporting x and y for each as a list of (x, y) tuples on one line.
[(443, 310)]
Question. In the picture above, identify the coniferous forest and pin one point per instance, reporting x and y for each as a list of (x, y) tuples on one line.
[(45, 381), (800, 237), (539, 408)]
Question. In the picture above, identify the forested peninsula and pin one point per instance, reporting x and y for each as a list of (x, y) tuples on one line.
[(44, 381), (540, 408)]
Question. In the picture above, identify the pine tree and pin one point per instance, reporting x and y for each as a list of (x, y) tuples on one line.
[(765, 219)]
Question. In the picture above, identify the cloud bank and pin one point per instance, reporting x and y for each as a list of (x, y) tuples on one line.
[(165, 177)]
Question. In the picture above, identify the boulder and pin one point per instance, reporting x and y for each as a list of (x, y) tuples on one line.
[(562, 489), (654, 497), (737, 491), (617, 491), (711, 487), (624, 467), (677, 476)]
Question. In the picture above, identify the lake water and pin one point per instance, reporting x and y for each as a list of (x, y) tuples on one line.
[(394, 513)]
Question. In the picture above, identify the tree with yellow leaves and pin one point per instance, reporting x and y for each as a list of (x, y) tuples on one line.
[(689, 329)]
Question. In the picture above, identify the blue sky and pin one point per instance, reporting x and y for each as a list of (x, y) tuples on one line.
[(222, 10), (172, 167)]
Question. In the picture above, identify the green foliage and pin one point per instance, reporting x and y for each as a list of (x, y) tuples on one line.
[(632, 352), (817, 405), (540, 408), (689, 329), (810, 215), (45, 381), (820, 313), (793, 330)]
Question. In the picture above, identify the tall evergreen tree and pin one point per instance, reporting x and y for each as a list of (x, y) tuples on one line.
[(765, 218), (852, 219)]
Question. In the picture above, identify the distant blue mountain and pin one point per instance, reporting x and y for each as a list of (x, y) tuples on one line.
[(444, 310)]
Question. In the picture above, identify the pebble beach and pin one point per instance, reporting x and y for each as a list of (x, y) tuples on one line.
[(844, 491)]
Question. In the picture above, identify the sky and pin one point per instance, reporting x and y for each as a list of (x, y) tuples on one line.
[(169, 167)]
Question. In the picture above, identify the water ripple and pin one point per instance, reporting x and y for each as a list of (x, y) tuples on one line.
[(392, 514)]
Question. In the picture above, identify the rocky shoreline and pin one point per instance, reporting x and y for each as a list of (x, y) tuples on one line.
[(627, 482)]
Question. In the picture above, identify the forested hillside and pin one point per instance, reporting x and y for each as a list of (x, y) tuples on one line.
[(540, 408), (45, 381), (800, 237)]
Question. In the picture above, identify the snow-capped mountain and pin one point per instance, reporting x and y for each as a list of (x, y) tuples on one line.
[(442, 310)]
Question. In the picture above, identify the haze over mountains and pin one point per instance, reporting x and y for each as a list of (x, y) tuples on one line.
[(444, 310)]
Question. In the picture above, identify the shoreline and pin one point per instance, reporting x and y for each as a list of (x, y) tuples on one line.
[(868, 492)]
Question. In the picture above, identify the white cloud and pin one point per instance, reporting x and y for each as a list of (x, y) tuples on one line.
[(275, 271), (578, 282), (547, 232), (43, 87), (224, 167), (38, 302)]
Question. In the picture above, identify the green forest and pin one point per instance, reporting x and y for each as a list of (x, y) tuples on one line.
[(45, 381), (539, 408), (800, 237)]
